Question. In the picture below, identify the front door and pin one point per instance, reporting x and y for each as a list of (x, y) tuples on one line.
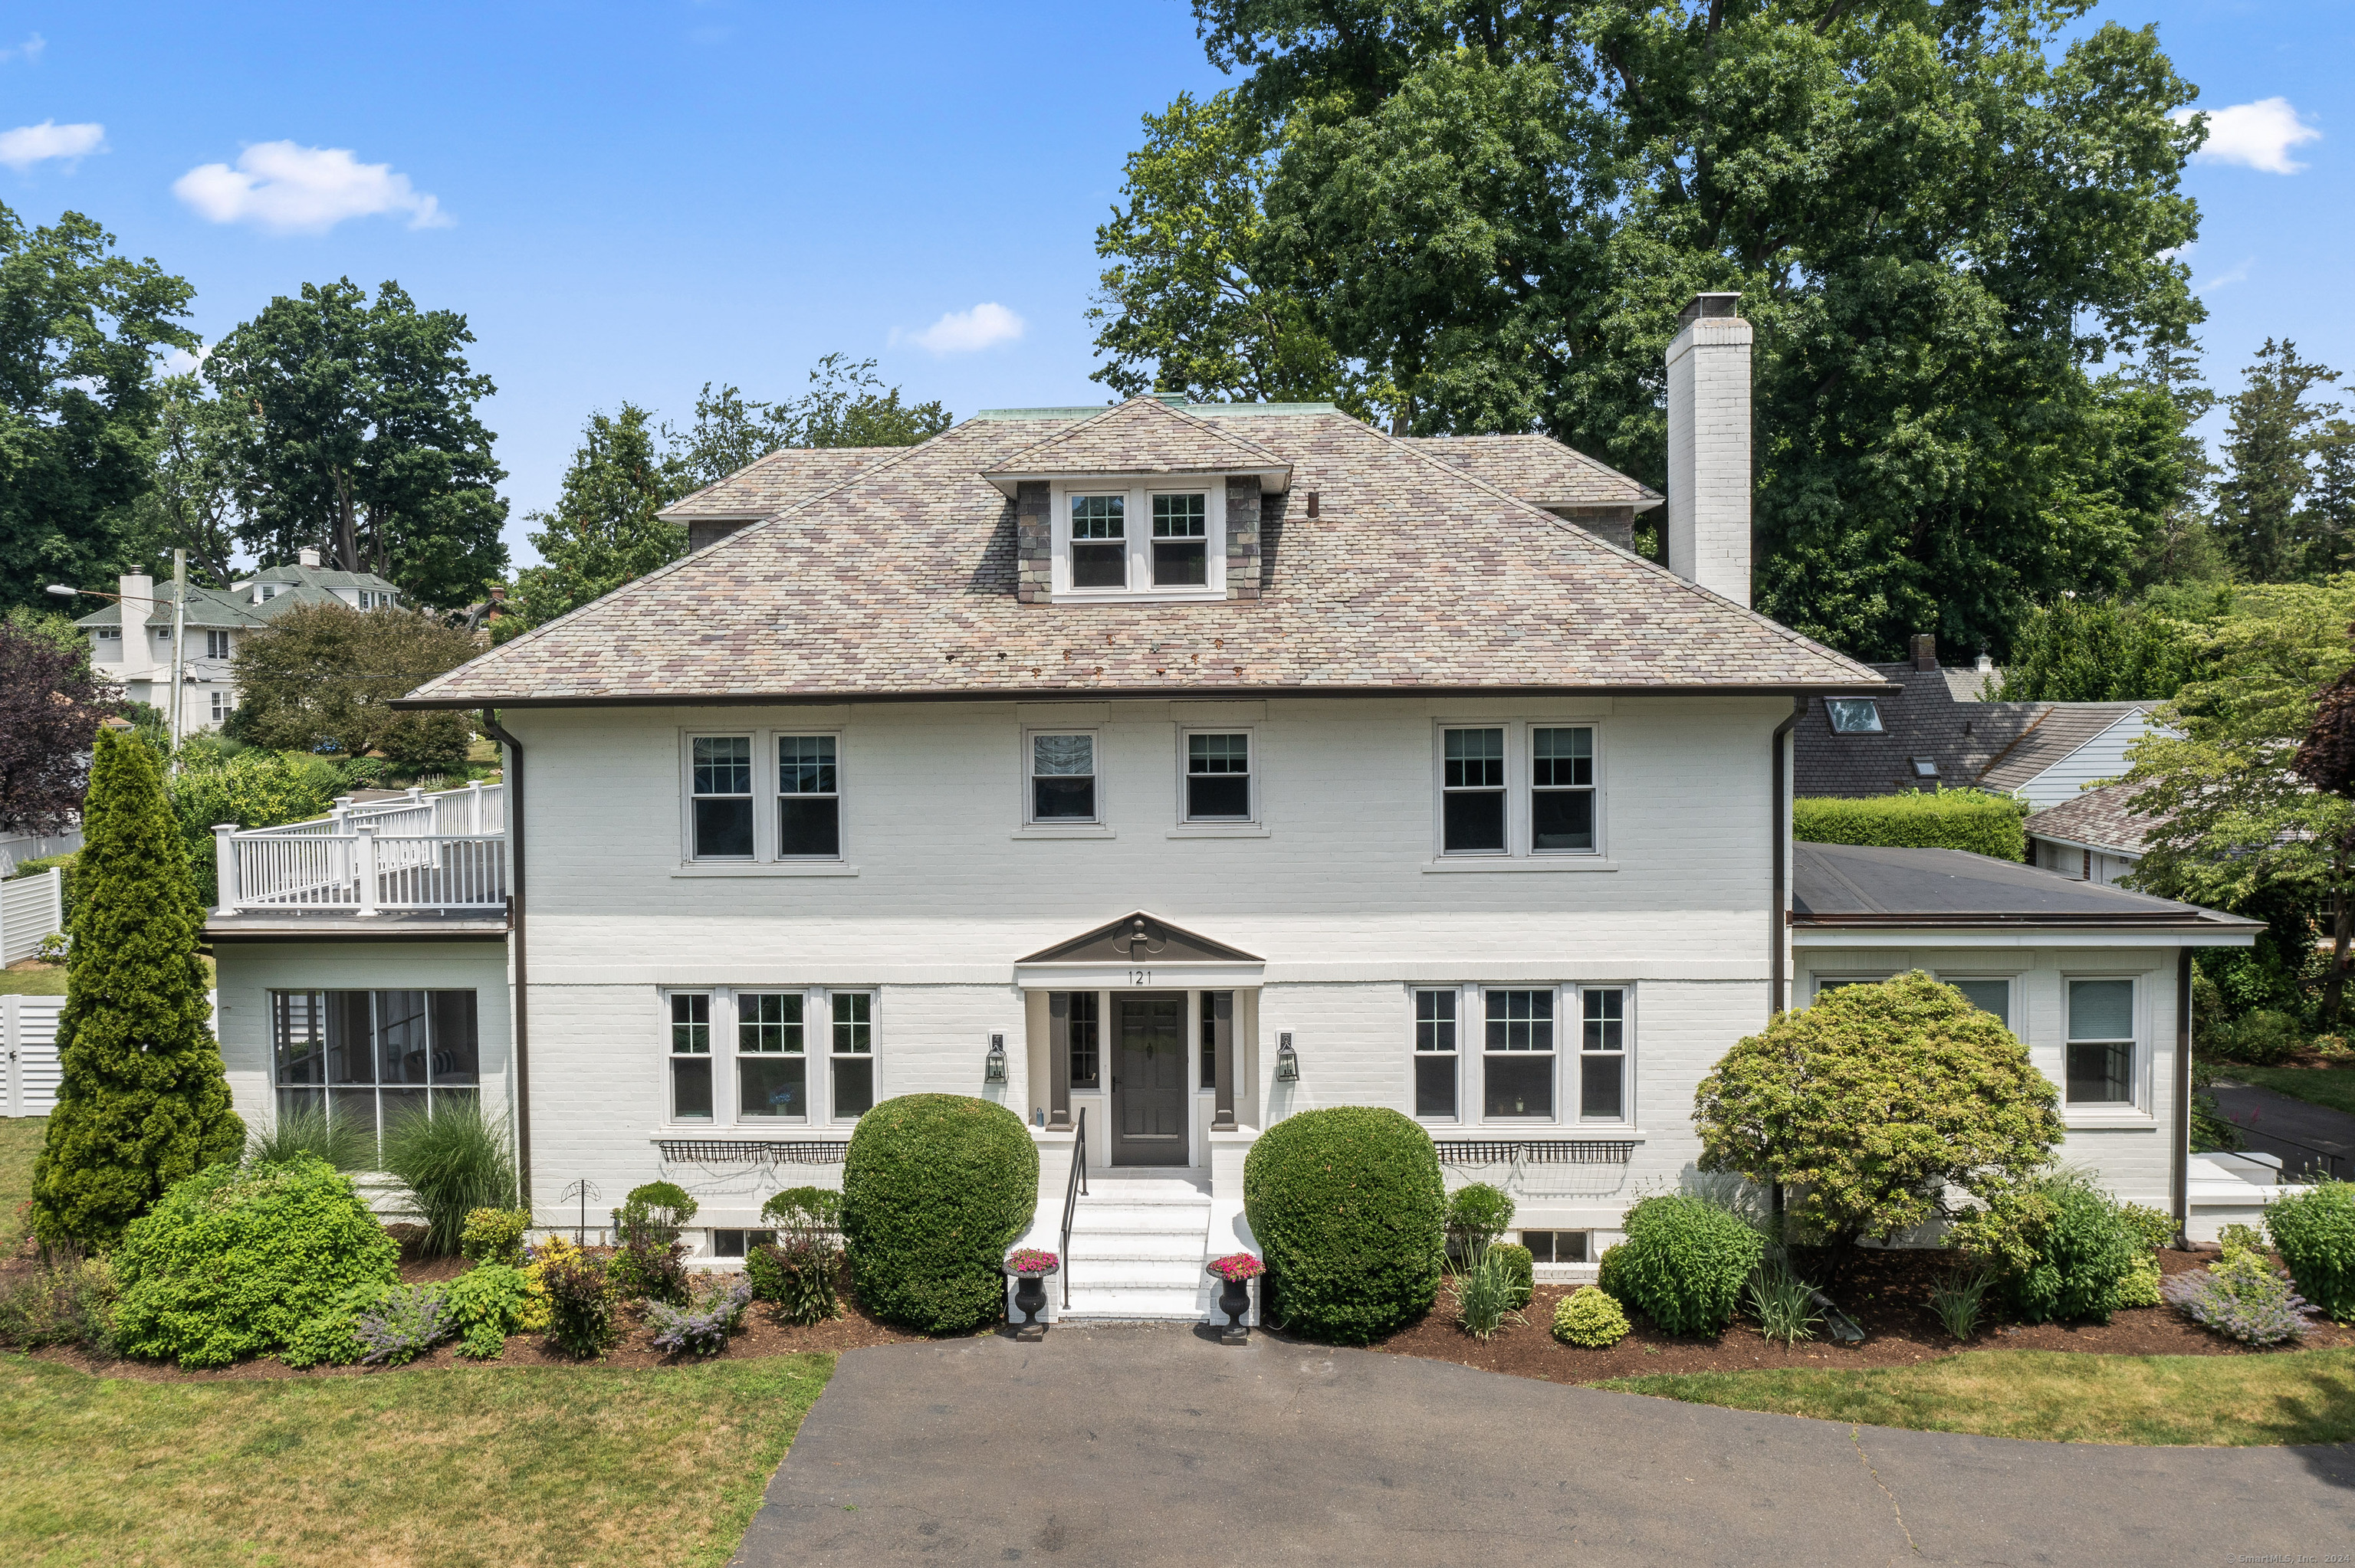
[(1149, 1079)]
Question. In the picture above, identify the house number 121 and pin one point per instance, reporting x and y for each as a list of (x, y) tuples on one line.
[(1140, 977)]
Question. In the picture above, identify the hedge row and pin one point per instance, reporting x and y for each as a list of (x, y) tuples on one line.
[(1971, 820)]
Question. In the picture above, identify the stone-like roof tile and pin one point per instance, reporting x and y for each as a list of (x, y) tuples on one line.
[(2097, 819), (1143, 435), (776, 481), (1540, 469)]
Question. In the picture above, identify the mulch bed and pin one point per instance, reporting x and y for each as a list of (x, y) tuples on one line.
[(1888, 1295)]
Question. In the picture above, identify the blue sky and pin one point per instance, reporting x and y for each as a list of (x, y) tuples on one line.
[(628, 201)]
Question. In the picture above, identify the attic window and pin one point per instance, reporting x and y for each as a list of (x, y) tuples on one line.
[(1925, 768), (1854, 716), (1178, 550)]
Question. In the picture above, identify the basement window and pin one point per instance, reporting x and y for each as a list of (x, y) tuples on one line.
[(1854, 716)]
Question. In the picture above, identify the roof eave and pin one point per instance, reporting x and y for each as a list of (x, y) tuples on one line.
[(1110, 693)]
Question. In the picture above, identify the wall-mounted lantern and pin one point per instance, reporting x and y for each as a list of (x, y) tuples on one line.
[(1287, 1060), (994, 1067)]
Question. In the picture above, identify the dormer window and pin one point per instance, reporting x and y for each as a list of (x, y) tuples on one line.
[(1157, 539)]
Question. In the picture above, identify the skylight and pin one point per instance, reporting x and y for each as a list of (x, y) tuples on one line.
[(1854, 716)]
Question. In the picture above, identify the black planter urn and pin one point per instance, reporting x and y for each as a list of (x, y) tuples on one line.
[(1031, 1296), (1235, 1301)]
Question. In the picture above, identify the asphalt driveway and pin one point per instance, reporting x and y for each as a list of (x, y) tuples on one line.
[(1130, 1445)]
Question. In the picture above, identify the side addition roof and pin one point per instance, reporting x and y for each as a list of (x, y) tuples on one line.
[(1541, 470), (1981, 745), (1853, 886)]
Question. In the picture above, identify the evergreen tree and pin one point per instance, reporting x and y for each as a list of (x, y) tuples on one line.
[(2328, 523), (2266, 462), (604, 531), (144, 1102)]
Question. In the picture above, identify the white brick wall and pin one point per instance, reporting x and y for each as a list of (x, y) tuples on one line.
[(1708, 455)]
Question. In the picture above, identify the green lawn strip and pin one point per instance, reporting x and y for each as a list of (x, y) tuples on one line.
[(51, 981), (488, 1465), (2333, 1087), (2302, 1396), (20, 1143)]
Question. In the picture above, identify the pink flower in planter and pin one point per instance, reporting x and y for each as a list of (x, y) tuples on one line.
[(1029, 1263), (1238, 1266)]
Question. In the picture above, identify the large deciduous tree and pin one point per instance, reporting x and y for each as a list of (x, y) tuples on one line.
[(1939, 215), (606, 530), (324, 675), (357, 432), (845, 405), (142, 1101), (192, 502), (80, 327), (51, 706)]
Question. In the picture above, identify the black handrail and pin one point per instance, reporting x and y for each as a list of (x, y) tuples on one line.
[(1074, 1189)]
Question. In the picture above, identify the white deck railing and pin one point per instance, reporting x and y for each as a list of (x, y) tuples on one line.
[(443, 851)]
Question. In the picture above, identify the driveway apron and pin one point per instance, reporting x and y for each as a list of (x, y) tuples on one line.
[(1135, 1445)]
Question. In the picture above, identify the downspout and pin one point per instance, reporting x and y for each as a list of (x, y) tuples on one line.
[(522, 1043), (1779, 826), (2183, 1095)]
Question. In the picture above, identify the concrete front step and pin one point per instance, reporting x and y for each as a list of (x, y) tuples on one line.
[(1133, 1304), (1185, 1246), (1164, 1274), (1193, 1217)]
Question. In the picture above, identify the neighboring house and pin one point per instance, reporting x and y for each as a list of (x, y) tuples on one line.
[(131, 639), (2093, 837), (1162, 771), (1932, 731)]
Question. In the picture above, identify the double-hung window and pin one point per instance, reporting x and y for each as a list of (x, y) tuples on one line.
[(1099, 541), (1181, 534), (1434, 1054), (1602, 1055), (216, 644), (1516, 1059), (766, 796), (854, 1055), (771, 1069), (2101, 1069), (1472, 792), (723, 797), (742, 1056), (1512, 1053), (1115, 537), (1520, 788), (1086, 1038), (1217, 777), (809, 804), (690, 1056), (1987, 995), (1561, 788), (1063, 778)]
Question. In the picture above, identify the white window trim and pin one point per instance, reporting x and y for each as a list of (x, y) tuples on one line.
[(1137, 533), (1250, 823), (1036, 827), (1519, 774), (765, 861), (1569, 1043), (1415, 1056), (817, 1057), (2135, 1110), (2011, 991)]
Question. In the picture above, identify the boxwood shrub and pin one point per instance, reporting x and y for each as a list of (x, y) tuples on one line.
[(1349, 1210), (1683, 1263), (2314, 1231), (934, 1189), (231, 1261), (1973, 820)]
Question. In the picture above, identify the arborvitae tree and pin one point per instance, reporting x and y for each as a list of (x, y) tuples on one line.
[(144, 1102)]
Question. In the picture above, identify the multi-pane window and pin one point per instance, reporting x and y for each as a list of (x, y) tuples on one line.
[(690, 1056), (1217, 777), (723, 797), (1099, 541), (1516, 1064), (220, 706), (1602, 1056), (771, 1069), (854, 1055), (736, 1244), (1181, 533), (216, 644), (1557, 1247), (1561, 788), (2101, 1042), (1063, 778), (1208, 1076), (1472, 790), (369, 1057), (1086, 1038), (1434, 1054), (809, 797)]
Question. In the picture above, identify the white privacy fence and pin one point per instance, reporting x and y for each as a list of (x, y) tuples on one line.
[(30, 908), (28, 1054), (429, 852)]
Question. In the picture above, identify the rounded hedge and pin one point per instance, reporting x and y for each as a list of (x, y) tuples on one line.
[(1349, 1210), (1589, 1318), (1683, 1263), (934, 1189), (233, 1260), (2314, 1233)]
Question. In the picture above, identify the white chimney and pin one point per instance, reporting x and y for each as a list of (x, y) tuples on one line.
[(309, 554), (138, 601), (1709, 446)]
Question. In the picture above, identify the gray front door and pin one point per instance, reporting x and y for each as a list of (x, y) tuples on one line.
[(1149, 1079)]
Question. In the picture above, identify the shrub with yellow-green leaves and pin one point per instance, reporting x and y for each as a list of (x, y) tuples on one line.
[(1870, 1104), (1589, 1318)]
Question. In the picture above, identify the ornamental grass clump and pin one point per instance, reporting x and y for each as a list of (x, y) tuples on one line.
[(455, 1159), (1872, 1104), (1783, 1303), (305, 1130), (1958, 1300), (1589, 1318), (1684, 1263), (935, 1188), (1483, 1296), (2314, 1233), (1348, 1209), (1520, 1266), (701, 1327)]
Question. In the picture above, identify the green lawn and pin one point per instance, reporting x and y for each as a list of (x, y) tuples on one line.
[(32, 981), (2330, 1086), (20, 1140), (2304, 1396), (487, 1466)]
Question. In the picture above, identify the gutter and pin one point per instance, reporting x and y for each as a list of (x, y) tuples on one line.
[(522, 1014), (1118, 693), (1778, 915), (2181, 1152)]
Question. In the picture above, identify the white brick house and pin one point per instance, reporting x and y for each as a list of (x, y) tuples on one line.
[(1164, 769)]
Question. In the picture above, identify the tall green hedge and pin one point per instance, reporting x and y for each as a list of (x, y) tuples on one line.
[(934, 1189), (1349, 1210), (1971, 820)]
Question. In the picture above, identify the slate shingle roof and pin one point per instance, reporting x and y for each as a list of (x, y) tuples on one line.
[(777, 481), (1540, 469), (900, 581), (1143, 435), (1981, 745), (2097, 819)]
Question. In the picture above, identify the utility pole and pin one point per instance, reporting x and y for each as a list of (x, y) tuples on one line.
[(180, 643)]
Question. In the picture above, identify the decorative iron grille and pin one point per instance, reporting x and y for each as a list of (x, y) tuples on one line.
[(1535, 1152), (728, 1151)]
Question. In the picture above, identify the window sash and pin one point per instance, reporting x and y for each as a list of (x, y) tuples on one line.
[(720, 786), (1517, 1067), (1436, 1069), (2101, 1068), (1062, 776), (1217, 781), (1603, 1054)]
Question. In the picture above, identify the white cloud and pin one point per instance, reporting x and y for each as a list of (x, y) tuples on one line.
[(2257, 135), (303, 190), (2228, 277), (963, 332), (28, 144), (29, 51)]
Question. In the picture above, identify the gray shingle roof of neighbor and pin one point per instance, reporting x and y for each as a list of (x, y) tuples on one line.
[(1978, 745), (776, 481), (320, 577), (2097, 819), (900, 582), (1851, 884), (1540, 469), (208, 608)]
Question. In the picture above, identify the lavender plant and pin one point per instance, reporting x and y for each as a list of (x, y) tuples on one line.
[(2242, 1299), (701, 1328), (403, 1325)]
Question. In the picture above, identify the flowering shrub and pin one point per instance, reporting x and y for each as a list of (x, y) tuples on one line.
[(404, 1324), (1238, 1266), (1589, 1318), (2242, 1299), (1029, 1263), (701, 1328)]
